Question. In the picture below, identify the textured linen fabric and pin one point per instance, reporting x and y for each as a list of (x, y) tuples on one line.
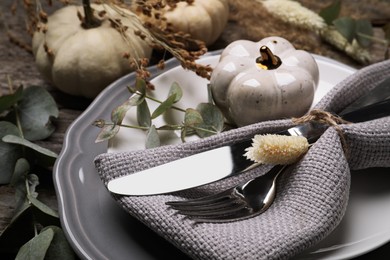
[(311, 199)]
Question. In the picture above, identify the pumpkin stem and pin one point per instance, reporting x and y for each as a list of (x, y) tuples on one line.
[(267, 59), (89, 20)]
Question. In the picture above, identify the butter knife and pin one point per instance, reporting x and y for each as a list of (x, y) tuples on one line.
[(226, 161)]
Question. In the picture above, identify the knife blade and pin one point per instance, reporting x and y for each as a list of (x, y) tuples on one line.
[(223, 162)]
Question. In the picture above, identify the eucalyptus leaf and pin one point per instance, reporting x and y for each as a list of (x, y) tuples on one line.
[(37, 247), (213, 119), (9, 153), (331, 12), (38, 154), (43, 214), (143, 114), (152, 138), (346, 26), (192, 118), (7, 101), (176, 89), (22, 167), (164, 106), (18, 182), (107, 132), (36, 110), (119, 112), (41, 206), (59, 248), (30, 182), (364, 32), (21, 202), (18, 232)]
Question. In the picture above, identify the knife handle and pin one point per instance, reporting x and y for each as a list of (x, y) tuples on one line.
[(374, 111)]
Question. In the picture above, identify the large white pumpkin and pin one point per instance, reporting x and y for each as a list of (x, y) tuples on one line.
[(83, 62)]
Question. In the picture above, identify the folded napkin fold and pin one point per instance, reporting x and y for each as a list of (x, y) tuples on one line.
[(311, 199)]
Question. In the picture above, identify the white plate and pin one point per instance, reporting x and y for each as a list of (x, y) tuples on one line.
[(98, 228)]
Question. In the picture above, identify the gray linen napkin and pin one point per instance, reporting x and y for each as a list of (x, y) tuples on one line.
[(311, 199)]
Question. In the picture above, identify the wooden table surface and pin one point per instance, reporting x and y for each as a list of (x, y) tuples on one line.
[(18, 63)]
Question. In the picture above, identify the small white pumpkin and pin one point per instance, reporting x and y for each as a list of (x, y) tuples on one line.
[(265, 80), (83, 62), (203, 19)]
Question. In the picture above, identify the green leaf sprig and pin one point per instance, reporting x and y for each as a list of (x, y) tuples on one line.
[(26, 115), (204, 120), (352, 29)]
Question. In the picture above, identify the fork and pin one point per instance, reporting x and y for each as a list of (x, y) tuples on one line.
[(243, 201)]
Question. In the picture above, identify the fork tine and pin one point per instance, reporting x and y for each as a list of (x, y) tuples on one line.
[(216, 204), (201, 201), (243, 201), (215, 213)]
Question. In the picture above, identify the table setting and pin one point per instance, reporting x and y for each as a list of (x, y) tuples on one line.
[(330, 202)]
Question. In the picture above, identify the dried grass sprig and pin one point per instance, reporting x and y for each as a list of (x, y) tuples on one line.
[(160, 35)]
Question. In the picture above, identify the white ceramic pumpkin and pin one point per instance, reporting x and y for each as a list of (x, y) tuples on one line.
[(265, 80), (203, 19), (83, 62)]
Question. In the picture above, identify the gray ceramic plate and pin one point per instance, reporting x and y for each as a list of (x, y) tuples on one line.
[(98, 228)]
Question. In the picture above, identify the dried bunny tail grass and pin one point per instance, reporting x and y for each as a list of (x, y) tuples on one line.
[(297, 15), (277, 149)]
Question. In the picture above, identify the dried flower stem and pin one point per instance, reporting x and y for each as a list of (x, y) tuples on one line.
[(162, 37)]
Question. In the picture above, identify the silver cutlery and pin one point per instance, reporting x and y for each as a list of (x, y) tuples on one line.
[(243, 201), (255, 196)]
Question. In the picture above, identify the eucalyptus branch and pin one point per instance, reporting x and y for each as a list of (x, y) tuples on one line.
[(125, 125), (160, 102), (203, 121)]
